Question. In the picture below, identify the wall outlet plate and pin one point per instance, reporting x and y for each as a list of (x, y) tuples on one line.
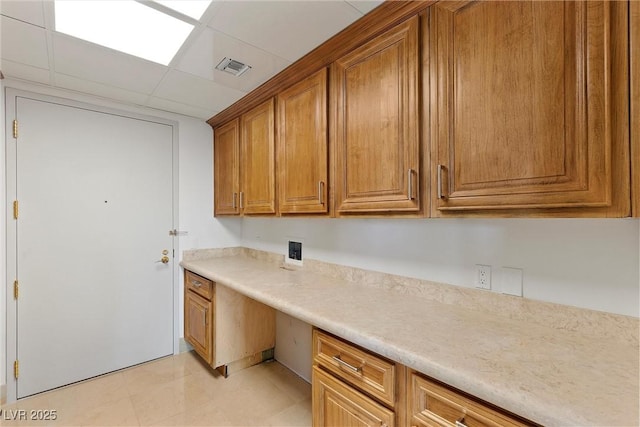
[(483, 276)]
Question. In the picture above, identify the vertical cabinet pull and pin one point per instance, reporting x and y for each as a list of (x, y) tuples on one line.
[(235, 196), (320, 192), (440, 195), (242, 200), (410, 184)]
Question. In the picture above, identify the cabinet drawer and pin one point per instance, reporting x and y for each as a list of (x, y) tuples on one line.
[(364, 370), (435, 405), (198, 284), (337, 404)]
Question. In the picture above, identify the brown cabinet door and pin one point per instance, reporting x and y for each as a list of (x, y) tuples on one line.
[(258, 160), (226, 160), (302, 146), (526, 110), (197, 324), (375, 128), (336, 404)]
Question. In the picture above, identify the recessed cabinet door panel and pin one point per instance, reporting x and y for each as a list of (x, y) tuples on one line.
[(226, 158), (302, 146), (376, 130), (336, 404), (522, 117), (258, 160), (197, 324)]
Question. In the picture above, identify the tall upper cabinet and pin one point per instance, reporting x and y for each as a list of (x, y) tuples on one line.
[(257, 136), (375, 130), (530, 108), (635, 104), (244, 163), (302, 161)]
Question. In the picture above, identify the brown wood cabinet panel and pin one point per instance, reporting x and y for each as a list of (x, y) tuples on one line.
[(336, 404), (375, 131), (257, 195), (302, 146), (198, 324), (527, 114), (364, 370), (434, 405), (226, 167), (635, 104)]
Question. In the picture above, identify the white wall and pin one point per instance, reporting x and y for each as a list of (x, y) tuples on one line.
[(195, 193), (589, 263)]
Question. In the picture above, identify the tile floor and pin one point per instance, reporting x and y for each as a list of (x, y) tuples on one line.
[(176, 391)]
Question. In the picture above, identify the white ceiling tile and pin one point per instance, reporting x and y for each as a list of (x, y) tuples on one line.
[(23, 43), (98, 89), (24, 72), (176, 107), (212, 46), (27, 11), (365, 6), (288, 29), (192, 90), (89, 61)]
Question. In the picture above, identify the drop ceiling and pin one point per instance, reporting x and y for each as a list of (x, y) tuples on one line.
[(267, 35)]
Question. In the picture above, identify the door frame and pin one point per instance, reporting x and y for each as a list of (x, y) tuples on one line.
[(10, 96)]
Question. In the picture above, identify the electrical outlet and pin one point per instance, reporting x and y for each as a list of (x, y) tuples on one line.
[(483, 276)]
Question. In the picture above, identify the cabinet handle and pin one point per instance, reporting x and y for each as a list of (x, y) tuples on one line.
[(235, 196), (196, 283), (242, 200), (320, 192), (410, 184), (460, 422), (440, 195), (349, 366)]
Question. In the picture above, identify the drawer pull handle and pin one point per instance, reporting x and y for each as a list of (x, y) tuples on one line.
[(196, 283), (349, 366), (460, 422)]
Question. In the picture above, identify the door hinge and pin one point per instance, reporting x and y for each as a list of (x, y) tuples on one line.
[(15, 129), (16, 289), (15, 209), (16, 369)]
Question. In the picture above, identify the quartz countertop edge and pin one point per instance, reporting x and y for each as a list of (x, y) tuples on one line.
[(549, 376)]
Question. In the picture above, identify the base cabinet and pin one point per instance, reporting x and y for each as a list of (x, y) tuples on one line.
[(352, 386), (337, 404), (228, 330)]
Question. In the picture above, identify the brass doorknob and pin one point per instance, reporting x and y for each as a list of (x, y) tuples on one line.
[(164, 260)]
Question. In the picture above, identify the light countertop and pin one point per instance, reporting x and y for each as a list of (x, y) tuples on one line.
[(547, 375)]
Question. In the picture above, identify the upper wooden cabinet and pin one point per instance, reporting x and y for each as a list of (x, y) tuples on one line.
[(375, 132), (530, 108), (244, 164), (634, 31), (226, 168), (302, 146), (258, 194)]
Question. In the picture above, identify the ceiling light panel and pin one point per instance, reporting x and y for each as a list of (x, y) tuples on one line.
[(127, 26), (192, 8)]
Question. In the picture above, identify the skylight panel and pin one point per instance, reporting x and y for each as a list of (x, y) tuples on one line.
[(127, 26), (192, 8)]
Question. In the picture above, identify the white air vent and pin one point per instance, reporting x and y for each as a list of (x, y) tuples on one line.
[(232, 66)]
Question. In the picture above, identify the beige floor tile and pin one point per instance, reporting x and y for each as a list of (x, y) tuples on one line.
[(167, 400), (298, 415), (175, 391)]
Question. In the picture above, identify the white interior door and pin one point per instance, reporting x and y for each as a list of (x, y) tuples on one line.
[(95, 194)]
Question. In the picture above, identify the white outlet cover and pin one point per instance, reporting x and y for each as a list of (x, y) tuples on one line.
[(511, 281), (483, 271)]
